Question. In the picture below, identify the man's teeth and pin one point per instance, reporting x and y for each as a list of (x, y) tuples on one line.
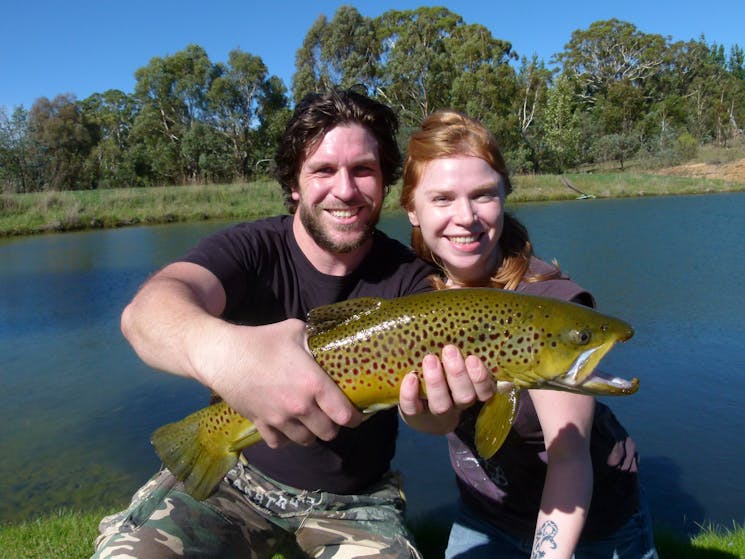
[(342, 214)]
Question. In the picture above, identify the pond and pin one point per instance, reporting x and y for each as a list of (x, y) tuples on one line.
[(77, 406)]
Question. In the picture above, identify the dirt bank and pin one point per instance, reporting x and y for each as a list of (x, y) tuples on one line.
[(731, 171)]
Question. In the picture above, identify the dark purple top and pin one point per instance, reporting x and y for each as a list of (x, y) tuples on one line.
[(506, 489)]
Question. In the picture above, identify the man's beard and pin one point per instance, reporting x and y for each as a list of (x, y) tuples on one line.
[(320, 234)]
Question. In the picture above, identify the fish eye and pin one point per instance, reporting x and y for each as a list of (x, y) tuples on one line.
[(580, 337)]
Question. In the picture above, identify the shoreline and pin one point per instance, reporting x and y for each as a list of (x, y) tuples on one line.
[(80, 210)]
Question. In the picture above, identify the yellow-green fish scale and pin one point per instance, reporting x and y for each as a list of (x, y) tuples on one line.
[(369, 352), (367, 345)]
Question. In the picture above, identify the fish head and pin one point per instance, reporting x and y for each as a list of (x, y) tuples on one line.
[(560, 344), (581, 346)]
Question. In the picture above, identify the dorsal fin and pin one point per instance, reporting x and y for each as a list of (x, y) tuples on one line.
[(323, 319)]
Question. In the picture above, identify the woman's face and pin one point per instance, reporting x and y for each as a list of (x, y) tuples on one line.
[(459, 208)]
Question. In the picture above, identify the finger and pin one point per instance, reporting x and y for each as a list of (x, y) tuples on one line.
[(409, 401), (438, 391), (335, 410), (481, 378), (462, 389), (271, 436)]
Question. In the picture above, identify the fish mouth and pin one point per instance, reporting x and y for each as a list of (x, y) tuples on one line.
[(583, 377), (597, 383)]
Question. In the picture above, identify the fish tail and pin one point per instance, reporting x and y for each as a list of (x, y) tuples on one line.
[(197, 458)]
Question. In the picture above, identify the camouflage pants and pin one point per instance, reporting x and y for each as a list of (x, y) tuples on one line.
[(252, 516)]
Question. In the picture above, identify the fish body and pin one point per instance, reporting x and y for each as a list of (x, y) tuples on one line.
[(368, 345)]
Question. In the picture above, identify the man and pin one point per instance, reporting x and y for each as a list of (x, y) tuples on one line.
[(229, 314)]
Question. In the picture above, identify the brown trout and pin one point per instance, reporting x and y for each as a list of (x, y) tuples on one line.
[(368, 345)]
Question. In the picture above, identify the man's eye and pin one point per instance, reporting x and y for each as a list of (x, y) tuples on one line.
[(485, 198), (364, 171)]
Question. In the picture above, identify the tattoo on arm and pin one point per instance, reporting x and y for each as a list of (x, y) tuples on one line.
[(545, 539)]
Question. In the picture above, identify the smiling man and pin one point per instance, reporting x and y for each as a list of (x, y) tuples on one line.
[(229, 314)]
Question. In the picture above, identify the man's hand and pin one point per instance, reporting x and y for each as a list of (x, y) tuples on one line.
[(452, 384), (266, 373), (269, 376)]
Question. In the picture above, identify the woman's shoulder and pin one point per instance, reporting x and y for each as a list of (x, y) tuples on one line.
[(553, 283)]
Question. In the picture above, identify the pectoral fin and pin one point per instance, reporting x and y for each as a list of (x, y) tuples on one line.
[(494, 422)]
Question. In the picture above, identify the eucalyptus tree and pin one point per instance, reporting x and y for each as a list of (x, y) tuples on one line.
[(172, 92), (614, 69), (236, 98), (709, 83), (273, 114), (343, 52), (61, 138), (533, 83), (417, 66), (610, 51), (113, 114), (484, 82), (16, 168), (559, 137)]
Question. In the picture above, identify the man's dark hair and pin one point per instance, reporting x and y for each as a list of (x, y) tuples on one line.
[(318, 113)]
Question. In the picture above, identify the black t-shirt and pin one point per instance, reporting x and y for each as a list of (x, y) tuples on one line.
[(267, 279)]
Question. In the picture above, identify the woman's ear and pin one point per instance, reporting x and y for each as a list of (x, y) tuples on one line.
[(413, 219)]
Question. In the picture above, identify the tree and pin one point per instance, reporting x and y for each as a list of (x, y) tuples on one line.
[(533, 82), (341, 53), (481, 64), (238, 101), (172, 92), (113, 114), (16, 169), (417, 66), (621, 108), (560, 129), (616, 147), (610, 51), (63, 139)]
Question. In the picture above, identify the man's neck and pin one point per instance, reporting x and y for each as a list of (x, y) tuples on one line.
[(325, 261)]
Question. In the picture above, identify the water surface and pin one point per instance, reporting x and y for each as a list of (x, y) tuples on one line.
[(77, 406)]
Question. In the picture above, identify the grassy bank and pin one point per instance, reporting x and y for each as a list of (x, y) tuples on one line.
[(69, 535), (45, 212)]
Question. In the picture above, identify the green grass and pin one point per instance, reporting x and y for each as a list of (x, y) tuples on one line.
[(68, 534), (65, 534), (45, 212)]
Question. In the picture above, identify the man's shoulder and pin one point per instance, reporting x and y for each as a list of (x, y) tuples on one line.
[(391, 252), (268, 229)]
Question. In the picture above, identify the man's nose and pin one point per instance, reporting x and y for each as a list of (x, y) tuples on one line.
[(345, 186)]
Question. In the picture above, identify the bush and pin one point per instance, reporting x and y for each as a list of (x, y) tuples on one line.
[(686, 147)]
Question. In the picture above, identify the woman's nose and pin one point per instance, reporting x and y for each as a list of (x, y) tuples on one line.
[(464, 212)]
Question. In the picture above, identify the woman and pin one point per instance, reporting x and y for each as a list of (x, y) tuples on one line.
[(565, 482)]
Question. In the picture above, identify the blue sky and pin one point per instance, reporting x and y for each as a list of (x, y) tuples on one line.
[(49, 47)]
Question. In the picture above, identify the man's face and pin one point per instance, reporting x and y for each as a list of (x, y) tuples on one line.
[(340, 189)]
